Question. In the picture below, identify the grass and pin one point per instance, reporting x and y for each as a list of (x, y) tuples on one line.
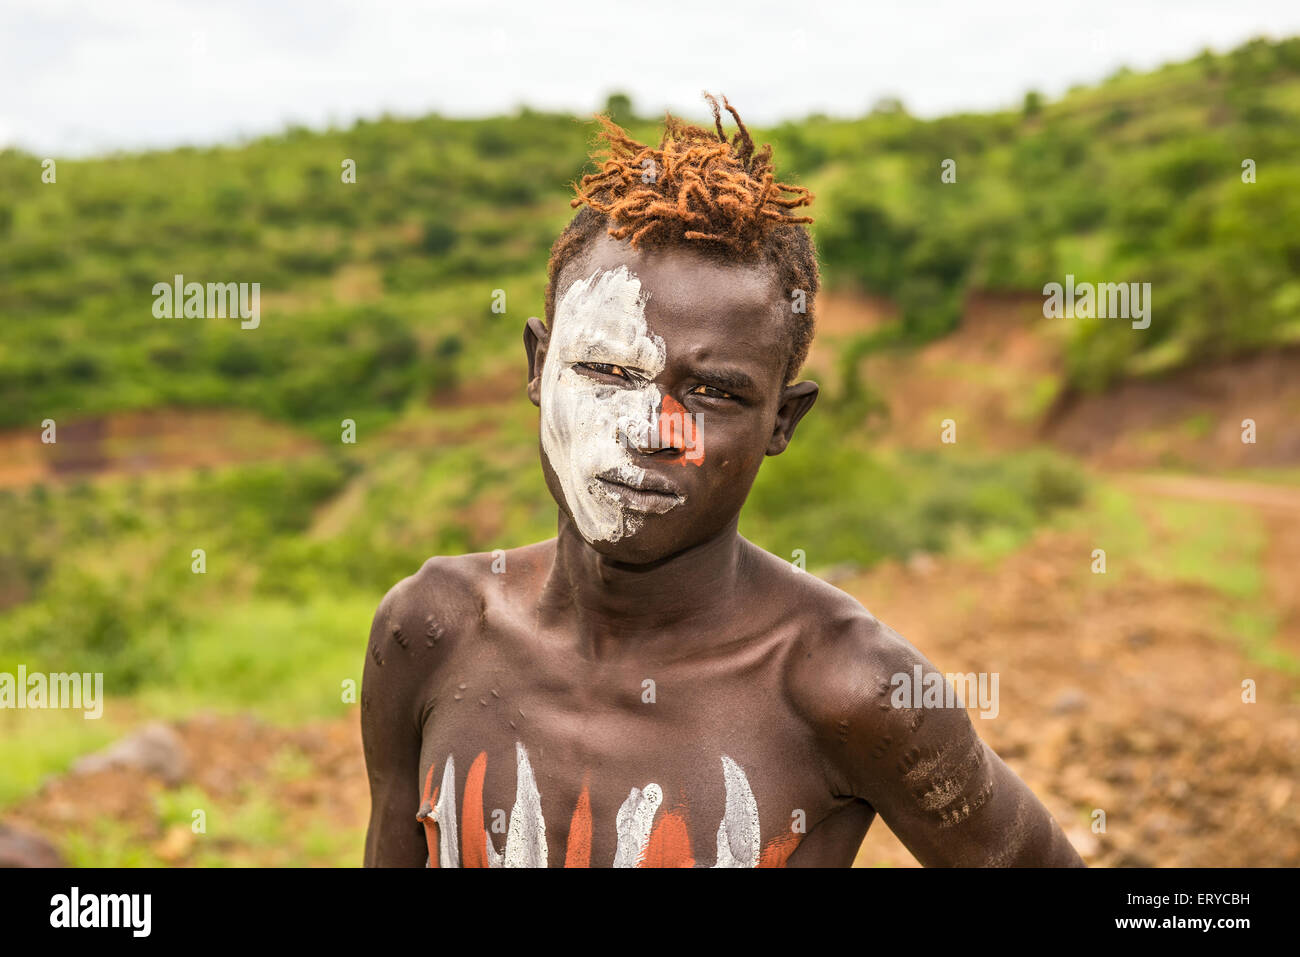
[(37, 744), (251, 830), (1218, 546), (285, 661)]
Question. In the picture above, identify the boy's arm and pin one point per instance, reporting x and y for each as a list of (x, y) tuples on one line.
[(952, 801), (943, 792), (390, 735)]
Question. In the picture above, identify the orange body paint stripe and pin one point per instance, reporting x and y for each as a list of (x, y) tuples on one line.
[(430, 826), (578, 853), (778, 850), (670, 843), (473, 837)]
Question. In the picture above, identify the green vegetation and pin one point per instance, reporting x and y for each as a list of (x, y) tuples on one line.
[(246, 830), (830, 496), (34, 744), (1136, 180), (377, 291), (376, 302)]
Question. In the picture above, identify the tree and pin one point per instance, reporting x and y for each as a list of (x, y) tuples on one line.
[(618, 107)]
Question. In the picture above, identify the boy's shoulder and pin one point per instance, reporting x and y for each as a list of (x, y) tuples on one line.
[(425, 616), (830, 622), (843, 659), (448, 595)]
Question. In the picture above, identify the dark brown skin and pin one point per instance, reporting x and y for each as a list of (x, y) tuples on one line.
[(750, 656)]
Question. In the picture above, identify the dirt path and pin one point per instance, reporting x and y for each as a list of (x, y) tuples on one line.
[(1122, 696), (1208, 489)]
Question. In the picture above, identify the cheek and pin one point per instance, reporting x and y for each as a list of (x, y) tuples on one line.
[(588, 419), (735, 453)]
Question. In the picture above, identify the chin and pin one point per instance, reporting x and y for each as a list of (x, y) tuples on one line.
[(639, 548), (658, 537)]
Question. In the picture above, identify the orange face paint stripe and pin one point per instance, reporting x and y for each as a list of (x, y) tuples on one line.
[(678, 430), (473, 837), (578, 853)]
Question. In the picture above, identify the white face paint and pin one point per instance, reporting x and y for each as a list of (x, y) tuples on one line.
[(599, 319)]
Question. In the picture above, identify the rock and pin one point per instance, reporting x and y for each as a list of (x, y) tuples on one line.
[(155, 749), (24, 849)]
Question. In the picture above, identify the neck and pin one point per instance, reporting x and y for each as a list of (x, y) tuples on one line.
[(675, 600)]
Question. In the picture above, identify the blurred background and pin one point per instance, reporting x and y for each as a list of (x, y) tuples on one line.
[(1107, 145)]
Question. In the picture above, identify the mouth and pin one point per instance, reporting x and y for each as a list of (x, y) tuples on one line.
[(653, 494)]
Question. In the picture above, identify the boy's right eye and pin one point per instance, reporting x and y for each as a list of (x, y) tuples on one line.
[(605, 368)]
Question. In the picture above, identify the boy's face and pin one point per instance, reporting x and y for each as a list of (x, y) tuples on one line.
[(661, 388)]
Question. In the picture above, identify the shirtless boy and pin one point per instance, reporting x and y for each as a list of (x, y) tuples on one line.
[(648, 688)]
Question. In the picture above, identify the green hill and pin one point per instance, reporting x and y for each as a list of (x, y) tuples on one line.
[(1138, 179)]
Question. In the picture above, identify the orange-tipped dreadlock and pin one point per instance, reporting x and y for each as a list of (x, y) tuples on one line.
[(697, 189), (694, 186)]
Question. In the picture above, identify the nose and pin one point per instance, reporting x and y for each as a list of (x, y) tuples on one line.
[(674, 436)]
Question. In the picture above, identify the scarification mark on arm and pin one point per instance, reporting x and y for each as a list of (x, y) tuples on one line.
[(432, 631)]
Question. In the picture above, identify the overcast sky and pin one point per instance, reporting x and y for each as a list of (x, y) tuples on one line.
[(84, 76)]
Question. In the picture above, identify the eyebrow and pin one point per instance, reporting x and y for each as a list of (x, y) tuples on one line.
[(728, 380)]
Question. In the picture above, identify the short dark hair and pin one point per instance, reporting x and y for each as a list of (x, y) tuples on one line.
[(701, 191)]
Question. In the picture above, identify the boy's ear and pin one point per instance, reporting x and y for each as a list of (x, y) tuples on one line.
[(796, 400), (536, 338)]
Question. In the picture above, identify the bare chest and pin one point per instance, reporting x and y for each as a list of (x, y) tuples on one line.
[(535, 758)]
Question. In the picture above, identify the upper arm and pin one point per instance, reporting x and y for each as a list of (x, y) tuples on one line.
[(943, 792), (399, 669)]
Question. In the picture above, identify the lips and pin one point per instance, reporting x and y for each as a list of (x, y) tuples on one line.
[(650, 493)]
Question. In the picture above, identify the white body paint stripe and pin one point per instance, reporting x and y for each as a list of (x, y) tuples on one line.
[(738, 843), (635, 818), (526, 840), (444, 812)]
